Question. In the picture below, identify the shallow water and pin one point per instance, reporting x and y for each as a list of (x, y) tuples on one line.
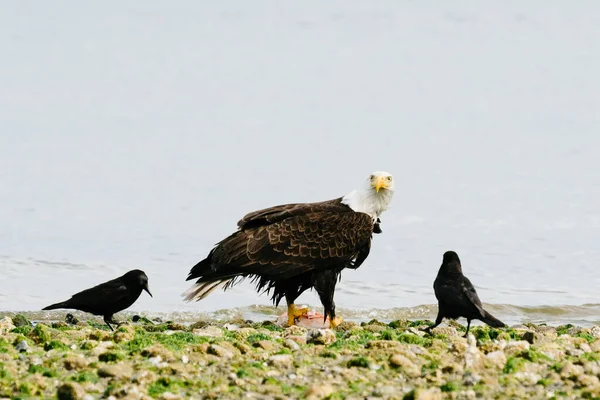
[(136, 137)]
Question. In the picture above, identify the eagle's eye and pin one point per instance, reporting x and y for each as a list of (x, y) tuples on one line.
[(372, 177), (389, 178)]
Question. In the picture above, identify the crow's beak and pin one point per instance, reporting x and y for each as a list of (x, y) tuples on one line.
[(147, 289)]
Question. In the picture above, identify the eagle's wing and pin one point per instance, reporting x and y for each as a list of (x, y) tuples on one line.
[(270, 215), (316, 237)]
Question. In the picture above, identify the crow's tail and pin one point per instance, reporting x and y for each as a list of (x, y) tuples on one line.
[(492, 321)]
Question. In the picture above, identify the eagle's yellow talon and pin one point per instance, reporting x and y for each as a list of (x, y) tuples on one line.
[(336, 321), (295, 313)]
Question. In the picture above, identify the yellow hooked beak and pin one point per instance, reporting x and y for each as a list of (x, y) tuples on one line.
[(381, 183)]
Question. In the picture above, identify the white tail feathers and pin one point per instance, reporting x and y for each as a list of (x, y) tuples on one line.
[(199, 291)]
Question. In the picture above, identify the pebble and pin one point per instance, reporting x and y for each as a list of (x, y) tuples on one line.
[(70, 391), (231, 327), (513, 348), (320, 336), (290, 344), (298, 339), (265, 345), (20, 320), (6, 325), (121, 370), (209, 331), (22, 346), (496, 358), (295, 330), (242, 347), (406, 365), (75, 363), (318, 392), (527, 378), (219, 351), (280, 360), (158, 350)]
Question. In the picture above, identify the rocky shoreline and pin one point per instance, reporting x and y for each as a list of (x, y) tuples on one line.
[(243, 359)]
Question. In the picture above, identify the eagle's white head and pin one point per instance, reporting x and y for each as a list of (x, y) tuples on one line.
[(374, 196)]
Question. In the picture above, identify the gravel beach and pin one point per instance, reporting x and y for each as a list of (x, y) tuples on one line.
[(260, 360)]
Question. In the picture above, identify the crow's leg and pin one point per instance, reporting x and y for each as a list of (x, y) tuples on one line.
[(438, 321), (108, 320), (468, 327)]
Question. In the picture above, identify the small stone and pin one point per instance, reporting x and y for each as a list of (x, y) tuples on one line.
[(471, 378), (318, 392), (530, 337), (101, 348), (527, 378), (243, 348), (473, 357), (185, 359), (22, 346), (298, 339), (70, 391), (265, 345), (231, 327), (320, 336), (143, 377), (383, 344), (158, 350), (571, 371), (595, 331), (246, 331), (375, 328), (71, 319), (115, 371), (209, 331), (21, 320), (290, 344), (75, 363), (588, 380), (295, 330), (156, 361), (595, 345), (516, 347), (169, 396), (124, 333), (6, 325), (429, 394), (345, 326), (496, 358), (219, 351), (449, 331), (280, 360), (406, 365)]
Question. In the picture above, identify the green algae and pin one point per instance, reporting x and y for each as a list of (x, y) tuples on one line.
[(451, 386), (350, 366), (257, 337), (513, 364), (22, 330), (361, 362), (166, 384), (55, 344), (411, 338)]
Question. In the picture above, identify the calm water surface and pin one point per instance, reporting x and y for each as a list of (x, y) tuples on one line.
[(136, 136)]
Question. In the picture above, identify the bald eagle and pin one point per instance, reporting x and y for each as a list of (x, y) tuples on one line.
[(290, 248)]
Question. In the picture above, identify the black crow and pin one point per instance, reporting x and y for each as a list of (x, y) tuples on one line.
[(457, 296), (109, 297)]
